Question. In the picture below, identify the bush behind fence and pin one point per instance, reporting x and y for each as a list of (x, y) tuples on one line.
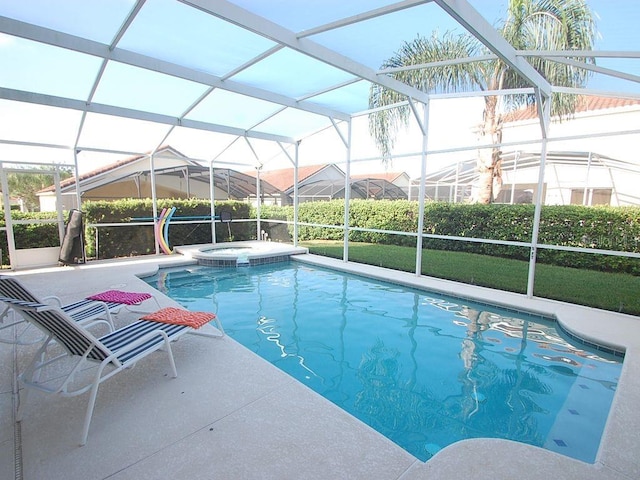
[(607, 228)]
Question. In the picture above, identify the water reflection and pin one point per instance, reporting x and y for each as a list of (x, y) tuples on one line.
[(268, 327), (425, 371)]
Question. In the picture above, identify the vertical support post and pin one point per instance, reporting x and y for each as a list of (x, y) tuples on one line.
[(513, 180), (347, 193), (546, 112), (76, 172), (59, 205), (212, 200), (295, 194), (154, 200), (585, 194), (6, 202), (423, 173), (258, 204), (457, 183)]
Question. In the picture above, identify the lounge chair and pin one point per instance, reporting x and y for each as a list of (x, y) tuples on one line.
[(108, 355), (84, 311)]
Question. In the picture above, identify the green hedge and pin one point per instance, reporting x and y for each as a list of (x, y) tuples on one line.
[(397, 215), (606, 228), (38, 235), (139, 240)]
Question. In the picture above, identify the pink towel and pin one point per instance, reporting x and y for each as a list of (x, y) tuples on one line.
[(128, 298), (179, 316)]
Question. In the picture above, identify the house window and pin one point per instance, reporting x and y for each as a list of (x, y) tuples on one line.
[(594, 196), (521, 193)]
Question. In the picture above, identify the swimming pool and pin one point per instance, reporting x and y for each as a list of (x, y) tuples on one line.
[(423, 369), (243, 253)]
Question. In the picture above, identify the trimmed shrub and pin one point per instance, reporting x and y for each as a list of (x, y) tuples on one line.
[(38, 235), (605, 228), (119, 241)]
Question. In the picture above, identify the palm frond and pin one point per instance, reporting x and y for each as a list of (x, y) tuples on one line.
[(545, 25), (438, 78), (549, 25)]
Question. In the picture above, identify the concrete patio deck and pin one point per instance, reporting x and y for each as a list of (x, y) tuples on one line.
[(231, 415)]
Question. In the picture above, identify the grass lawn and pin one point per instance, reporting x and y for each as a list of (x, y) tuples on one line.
[(618, 292)]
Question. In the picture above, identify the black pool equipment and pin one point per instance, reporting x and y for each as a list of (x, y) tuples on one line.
[(72, 249), (225, 217)]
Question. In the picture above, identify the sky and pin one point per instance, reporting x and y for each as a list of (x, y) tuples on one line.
[(69, 74)]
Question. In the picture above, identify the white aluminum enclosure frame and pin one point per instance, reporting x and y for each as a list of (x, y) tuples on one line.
[(305, 42)]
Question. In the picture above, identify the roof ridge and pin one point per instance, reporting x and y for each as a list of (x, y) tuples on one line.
[(107, 168), (586, 103)]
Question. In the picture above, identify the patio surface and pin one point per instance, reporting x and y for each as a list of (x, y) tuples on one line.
[(231, 415)]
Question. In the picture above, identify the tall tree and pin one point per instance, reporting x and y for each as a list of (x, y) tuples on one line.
[(529, 25), (25, 186)]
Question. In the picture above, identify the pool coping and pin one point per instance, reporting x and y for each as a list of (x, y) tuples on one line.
[(611, 330), (482, 458), (601, 328), (263, 253)]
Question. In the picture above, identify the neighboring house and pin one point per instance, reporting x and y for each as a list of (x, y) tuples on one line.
[(601, 169), (387, 185), (327, 182), (571, 178), (315, 182), (176, 177)]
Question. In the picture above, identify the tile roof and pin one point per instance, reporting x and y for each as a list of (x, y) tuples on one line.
[(282, 179), (107, 168), (587, 103), (388, 176)]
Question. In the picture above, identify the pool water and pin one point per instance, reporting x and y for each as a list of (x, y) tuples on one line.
[(423, 369)]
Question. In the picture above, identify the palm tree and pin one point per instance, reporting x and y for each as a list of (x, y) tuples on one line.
[(529, 25)]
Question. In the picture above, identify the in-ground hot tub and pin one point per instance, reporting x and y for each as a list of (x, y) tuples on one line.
[(232, 254)]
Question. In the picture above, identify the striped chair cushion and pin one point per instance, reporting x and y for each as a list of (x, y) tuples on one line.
[(88, 309), (123, 336), (75, 339), (11, 288)]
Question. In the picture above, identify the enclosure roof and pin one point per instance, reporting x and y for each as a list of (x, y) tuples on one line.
[(586, 103), (284, 178), (465, 173), (235, 81), (239, 185)]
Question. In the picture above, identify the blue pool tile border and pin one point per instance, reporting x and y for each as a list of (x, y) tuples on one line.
[(596, 346), (208, 262)]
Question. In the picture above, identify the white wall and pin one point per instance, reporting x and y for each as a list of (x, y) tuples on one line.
[(593, 124), (598, 132)]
